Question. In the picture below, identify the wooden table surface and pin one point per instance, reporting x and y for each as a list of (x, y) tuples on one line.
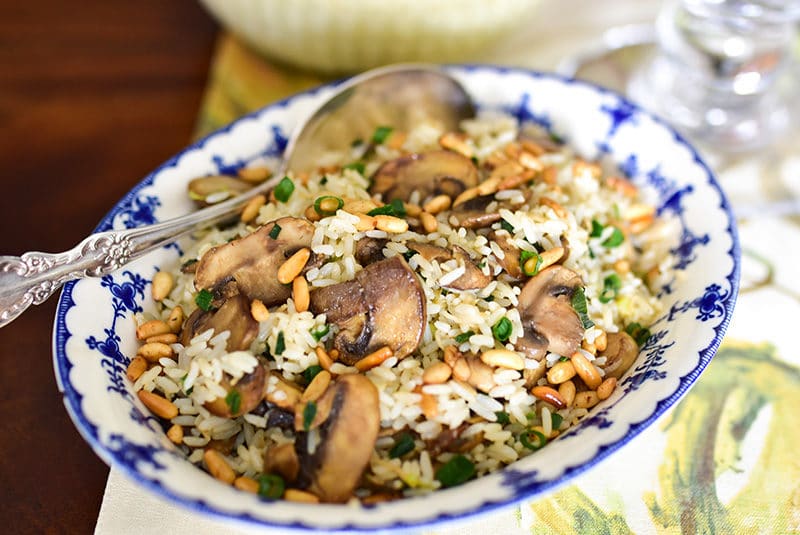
[(93, 96)]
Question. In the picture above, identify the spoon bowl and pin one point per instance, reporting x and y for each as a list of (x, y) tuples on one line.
[(398, 95)]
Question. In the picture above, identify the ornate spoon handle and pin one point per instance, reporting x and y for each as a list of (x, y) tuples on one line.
[(33, 277)]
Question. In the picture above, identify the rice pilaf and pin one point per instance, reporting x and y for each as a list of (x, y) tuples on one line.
[(531, 281)]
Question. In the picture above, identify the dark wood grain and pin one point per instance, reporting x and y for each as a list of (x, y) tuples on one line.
[(93, 96)]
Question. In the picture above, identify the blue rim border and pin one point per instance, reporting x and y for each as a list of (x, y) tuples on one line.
[(72, 399)]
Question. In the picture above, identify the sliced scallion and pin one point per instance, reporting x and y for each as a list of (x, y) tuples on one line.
[(579, 304), (502, 329), (611, 286), (327, 205), (455, 471), (284, 189)]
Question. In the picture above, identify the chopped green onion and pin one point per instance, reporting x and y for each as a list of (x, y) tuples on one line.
[(394, 208), (358, 167), (540, 441), (474, 160), (271, 486), (408, 255), (502, 329), (402, 445), (320, 332), (284, 189), (326, 212), (563, 359), (597, 229), (311, 372), (638, 333), (455, 471), (579, 304), (502, 417), (505, 225), (555, 138), (616, 238), (280, 344), (204, 299), (529, 262), (275, 231), (323, 180), (356, 142), (234, 400), (556, 419), (309, 412), (463, 337), (611, 286), (381, 134)]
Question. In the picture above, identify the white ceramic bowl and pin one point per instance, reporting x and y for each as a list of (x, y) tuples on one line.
[(94, 329), (345, 36)]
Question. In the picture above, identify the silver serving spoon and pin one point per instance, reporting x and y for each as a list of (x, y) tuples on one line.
[(398, 95)]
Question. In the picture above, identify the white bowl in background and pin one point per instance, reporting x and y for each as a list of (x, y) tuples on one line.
[(345, 36)]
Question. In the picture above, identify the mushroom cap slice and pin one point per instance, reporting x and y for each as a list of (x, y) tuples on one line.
[(252, 262), (347, 439), (369, 250), (620, 352), (250, 389), (234, 316), (472, 279), (383, 306), (511, 254), (548, 320), (434, 172)]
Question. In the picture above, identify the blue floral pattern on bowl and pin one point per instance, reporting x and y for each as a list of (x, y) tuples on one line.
[(95, 332)]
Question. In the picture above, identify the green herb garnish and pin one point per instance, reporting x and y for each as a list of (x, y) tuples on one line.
[(616, 238), (320, 332), (502, 417), (204, 299), (402, 445), (323, 180), (280, 344), (505, 225), (529, 262), (356, 142), (563, 359), (284, 189), (597, 229), (329, 210), (611, 286), (556, 419), (539, 440), (275, 231), (381, 134), (638, 333), (502, 329), (311, 372), (358, 167), (271, 486), (455, 471), (463, 337), (309, 412), (233, 400), (394, 208), (579, 304)]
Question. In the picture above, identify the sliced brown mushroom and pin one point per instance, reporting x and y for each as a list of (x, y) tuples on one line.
[(369, 250), (333, 468), (282, 460), (473, 215), (549, 322), (249, 391), (200, 189), (621, 352), (430, 173), (472, 279), (383, 306), (252, 262), (510, 260), (234, 316)]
